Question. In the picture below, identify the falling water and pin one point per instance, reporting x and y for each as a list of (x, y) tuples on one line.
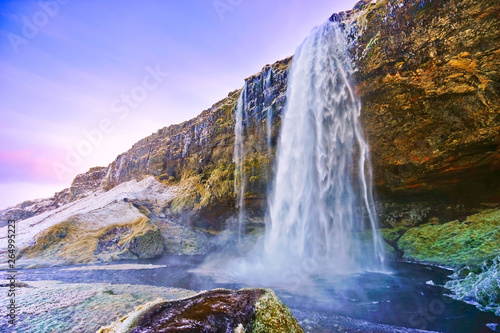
[(323, 188), (239, 155), (268, 101)]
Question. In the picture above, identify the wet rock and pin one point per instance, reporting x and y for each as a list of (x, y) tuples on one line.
[(426, 72), (219, 310), (479, 288), (148, 245)]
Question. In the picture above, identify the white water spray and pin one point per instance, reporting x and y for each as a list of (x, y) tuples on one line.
[(321, 218), (323, 178)]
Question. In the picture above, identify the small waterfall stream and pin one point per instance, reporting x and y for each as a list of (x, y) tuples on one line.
[(269, 113), (238, 157)]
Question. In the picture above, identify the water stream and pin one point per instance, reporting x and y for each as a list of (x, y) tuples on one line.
[(269, 113), (321, 206), (405, 298), (239, 155)]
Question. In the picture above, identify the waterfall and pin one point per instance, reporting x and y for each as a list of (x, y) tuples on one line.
[(239, 156), (269, 114), (322, 193)]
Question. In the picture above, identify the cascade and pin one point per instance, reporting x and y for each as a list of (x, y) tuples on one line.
[(239, 157), (269, 114), (322, 201)]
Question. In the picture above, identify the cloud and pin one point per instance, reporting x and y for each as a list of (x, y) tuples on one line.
[(33, 165), (64, 80)]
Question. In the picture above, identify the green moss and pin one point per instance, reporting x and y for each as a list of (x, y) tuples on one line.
[(53, 237), (201, 190), (392, 236), (189, 194), (390, 252), (257, 171), (271, 315), (148, 245), (455, 243)]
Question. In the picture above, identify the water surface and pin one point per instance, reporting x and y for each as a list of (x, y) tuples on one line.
[(405, 298)]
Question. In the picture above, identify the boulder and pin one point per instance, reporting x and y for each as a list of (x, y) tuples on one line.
[(218, 310)]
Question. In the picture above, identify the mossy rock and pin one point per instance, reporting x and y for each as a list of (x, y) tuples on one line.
[(197, 191), (148, 245), (479, 288), (218, 310), (455, 243), (271, 315), (390, 252), (392, 236)]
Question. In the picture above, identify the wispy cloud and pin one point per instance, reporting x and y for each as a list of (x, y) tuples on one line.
[(64, 81)]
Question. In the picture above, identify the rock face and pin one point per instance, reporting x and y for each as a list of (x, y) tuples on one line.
[(218, 310), (428, 78), (197, 155), (88, 182)]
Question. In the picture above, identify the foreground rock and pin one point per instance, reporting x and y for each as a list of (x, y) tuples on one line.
[(219, 310), (57, 307)]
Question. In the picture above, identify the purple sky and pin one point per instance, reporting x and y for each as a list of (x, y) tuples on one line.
[(81, 81)]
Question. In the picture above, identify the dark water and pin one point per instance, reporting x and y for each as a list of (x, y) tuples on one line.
[(402, 298)]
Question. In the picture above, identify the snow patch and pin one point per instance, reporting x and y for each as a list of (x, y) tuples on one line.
[(101, 208)]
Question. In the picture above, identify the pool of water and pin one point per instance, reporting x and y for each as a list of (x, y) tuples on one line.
[(410, 296)]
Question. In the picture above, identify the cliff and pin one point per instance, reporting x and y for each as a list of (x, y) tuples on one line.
[(428, 78)]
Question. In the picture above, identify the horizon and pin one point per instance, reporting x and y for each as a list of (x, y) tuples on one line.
[(69, 89)]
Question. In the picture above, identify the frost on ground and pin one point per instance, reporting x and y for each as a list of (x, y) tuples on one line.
[(94, 204), (113, 267), (78, 229), (51, 306)]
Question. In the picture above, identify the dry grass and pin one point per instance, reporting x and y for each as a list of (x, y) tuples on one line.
[(72, 242)]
